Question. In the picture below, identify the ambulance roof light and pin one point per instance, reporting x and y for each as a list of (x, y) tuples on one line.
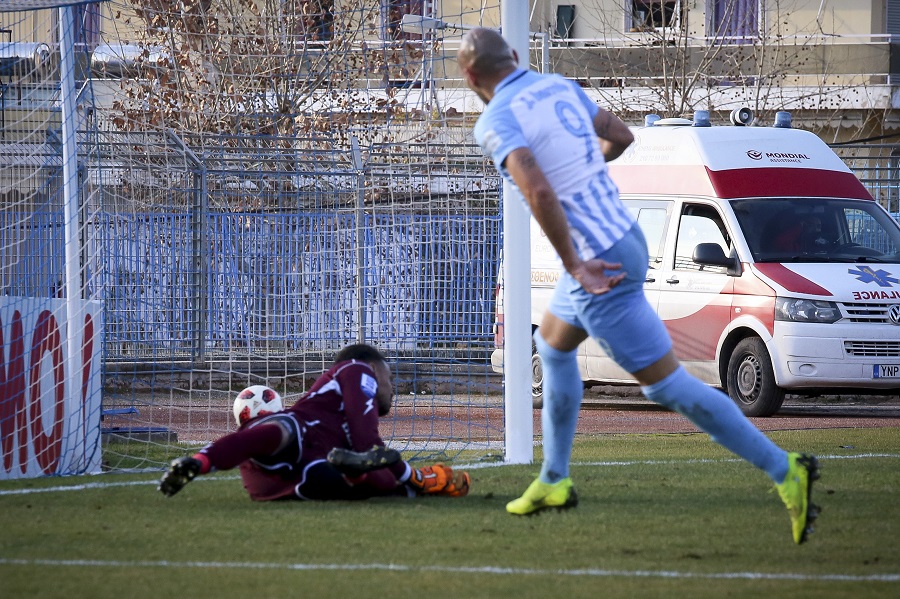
[(701, 118), (651, 119), (783, 119)]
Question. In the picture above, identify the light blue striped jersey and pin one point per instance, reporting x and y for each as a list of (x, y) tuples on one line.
[(553, 117)]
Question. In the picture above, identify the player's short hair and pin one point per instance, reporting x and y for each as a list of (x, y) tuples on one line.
[(487, 51), (359, 351)]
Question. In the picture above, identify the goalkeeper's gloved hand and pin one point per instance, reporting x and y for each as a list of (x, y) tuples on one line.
[(181, 471), (439, 480)]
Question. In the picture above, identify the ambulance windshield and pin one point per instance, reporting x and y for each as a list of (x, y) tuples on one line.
[(818, 230)]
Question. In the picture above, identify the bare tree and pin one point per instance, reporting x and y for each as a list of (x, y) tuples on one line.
[(259, 67)]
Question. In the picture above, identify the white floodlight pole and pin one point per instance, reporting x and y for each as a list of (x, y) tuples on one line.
[(519, 424)]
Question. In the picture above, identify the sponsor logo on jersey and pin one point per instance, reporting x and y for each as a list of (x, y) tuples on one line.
[(368, 385)]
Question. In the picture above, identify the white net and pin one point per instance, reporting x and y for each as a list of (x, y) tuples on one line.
[(261, 184), (51, 320)]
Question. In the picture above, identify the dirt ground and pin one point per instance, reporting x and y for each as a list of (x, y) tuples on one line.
[(604, 412)]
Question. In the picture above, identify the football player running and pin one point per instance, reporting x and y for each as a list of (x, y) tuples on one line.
[(325, 446)]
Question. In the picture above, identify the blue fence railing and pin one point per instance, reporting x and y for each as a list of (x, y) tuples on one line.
[(173, 287)]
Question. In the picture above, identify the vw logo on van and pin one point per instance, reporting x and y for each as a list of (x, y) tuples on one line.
[(894, 313)]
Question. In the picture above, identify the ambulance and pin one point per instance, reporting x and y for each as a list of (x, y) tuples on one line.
[(771, 265)]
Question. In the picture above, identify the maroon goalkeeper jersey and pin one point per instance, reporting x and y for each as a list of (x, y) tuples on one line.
[(339, 410)]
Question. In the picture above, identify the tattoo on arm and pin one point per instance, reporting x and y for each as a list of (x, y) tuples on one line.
[(528, 162)]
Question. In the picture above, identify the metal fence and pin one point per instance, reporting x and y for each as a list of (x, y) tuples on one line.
[(269, 247), (197, 283), (878, 168)]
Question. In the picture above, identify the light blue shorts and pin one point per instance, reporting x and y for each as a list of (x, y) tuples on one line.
[(621, 321)]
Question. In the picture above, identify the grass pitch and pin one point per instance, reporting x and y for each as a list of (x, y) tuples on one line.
[(659, 516)]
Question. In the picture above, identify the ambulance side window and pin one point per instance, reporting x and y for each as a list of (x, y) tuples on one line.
[(699, 224), (653, 223)]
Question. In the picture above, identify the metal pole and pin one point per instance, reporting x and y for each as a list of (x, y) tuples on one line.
[(356, 155), (545, 52), (71, 214), (519, 426)]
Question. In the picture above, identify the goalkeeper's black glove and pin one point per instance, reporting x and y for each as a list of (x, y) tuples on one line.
[(181, 471)]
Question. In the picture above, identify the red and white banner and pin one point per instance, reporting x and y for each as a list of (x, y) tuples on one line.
[(49, 403)]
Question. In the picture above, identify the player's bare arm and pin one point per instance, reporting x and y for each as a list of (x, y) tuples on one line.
[(615, 136), (548, 212)]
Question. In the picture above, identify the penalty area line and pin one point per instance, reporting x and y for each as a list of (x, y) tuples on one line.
[(487, 570)]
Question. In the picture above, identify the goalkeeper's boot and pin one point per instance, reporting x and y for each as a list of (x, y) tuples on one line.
[(796, 491), (356, 463), (440, 480), (181, 471), (540, 495)]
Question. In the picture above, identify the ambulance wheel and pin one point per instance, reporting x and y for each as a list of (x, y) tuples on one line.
[(537, 379), (751, 381)]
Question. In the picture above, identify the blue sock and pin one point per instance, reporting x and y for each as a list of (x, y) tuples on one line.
[(716, 414), (563, 392)]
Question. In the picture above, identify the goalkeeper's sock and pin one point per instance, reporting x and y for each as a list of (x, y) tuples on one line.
[(563, 392), (716, 414)]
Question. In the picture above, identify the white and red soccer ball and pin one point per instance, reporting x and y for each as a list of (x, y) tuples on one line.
[(256, 401)]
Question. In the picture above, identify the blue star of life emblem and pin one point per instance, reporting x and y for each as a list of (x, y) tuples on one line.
[(867, 274)]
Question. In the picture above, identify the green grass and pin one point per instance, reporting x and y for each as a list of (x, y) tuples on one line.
[(687, 509)]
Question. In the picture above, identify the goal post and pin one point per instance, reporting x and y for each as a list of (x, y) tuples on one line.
[(51, 328), (232, 192), (517, 282)]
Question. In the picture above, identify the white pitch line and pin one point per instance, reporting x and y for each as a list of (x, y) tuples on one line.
[(491, 570), (474, 466), (478, 465), (109, 485)]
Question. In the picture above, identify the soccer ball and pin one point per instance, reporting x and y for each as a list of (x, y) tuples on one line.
[(256, 401)]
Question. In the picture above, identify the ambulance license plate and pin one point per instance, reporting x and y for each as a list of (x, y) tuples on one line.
[(886, 371)]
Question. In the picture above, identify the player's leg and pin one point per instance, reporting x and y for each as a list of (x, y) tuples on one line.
[(557, 344), (637, 339), (322, 481), (628, 328), (716, 414), (355, 463), (563, 393)]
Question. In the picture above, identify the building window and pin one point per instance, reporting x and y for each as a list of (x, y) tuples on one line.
[(87, 25), (735, 21), (653, 14), (313, 20), (392, 12), (565, 21)]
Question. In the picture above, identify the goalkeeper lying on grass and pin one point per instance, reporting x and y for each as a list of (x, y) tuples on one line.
[(326, 446)]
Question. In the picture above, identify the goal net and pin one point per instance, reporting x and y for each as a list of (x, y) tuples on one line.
[(254, 186), (51, 319)]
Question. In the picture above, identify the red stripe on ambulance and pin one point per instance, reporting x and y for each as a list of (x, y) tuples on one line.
[(700, 180), (790, 280)]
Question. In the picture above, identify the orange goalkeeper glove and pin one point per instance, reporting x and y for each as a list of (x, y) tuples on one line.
[(439, 480)]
